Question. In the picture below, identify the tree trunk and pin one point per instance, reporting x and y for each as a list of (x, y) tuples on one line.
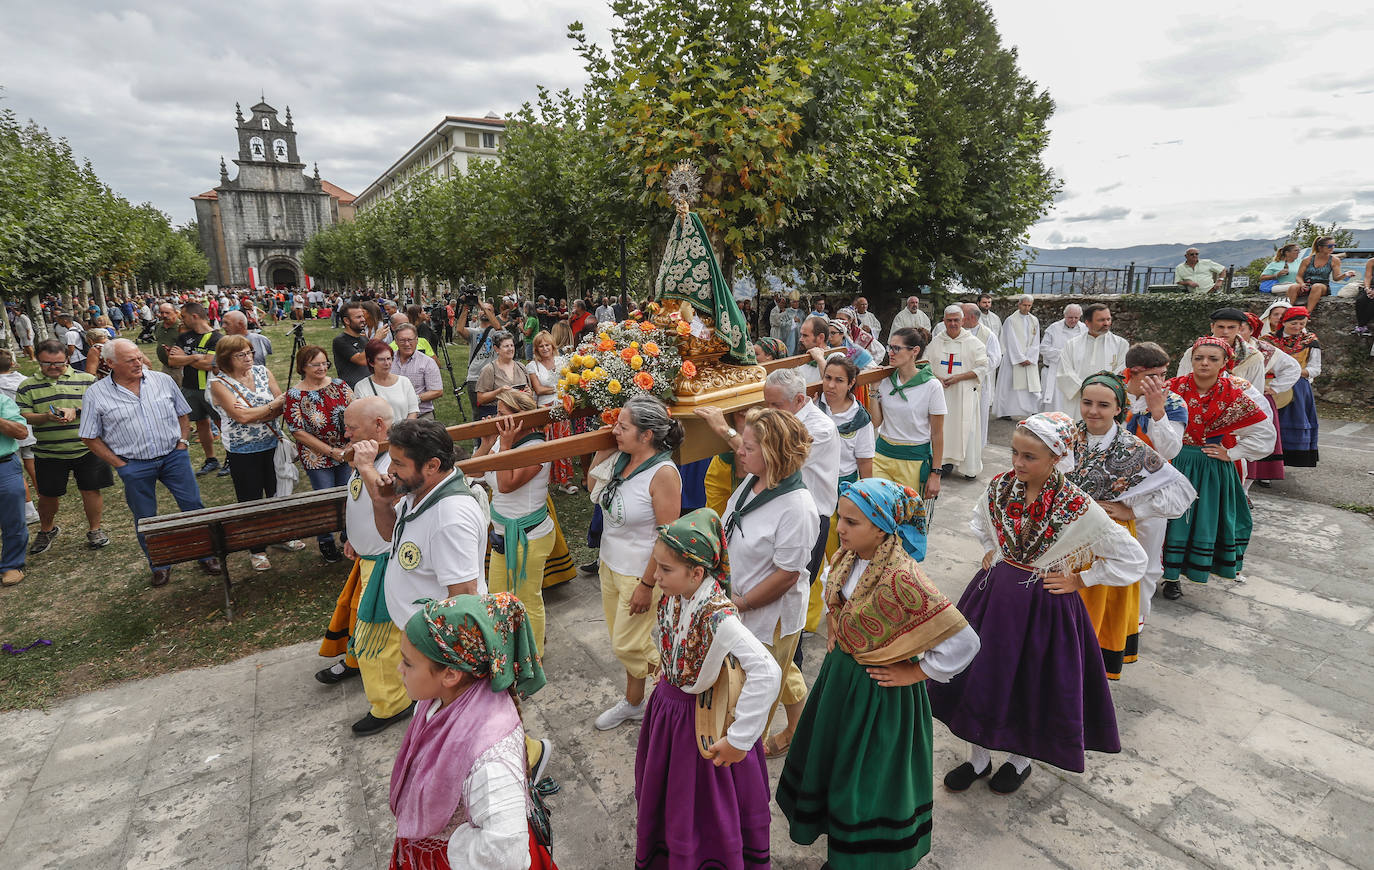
[(35, 311)]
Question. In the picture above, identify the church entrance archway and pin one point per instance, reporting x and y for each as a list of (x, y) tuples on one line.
[(281, 273)]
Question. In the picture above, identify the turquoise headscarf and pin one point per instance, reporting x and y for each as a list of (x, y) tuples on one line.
[(896, 509)]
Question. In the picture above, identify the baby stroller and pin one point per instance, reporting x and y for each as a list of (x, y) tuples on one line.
[(146, 334)]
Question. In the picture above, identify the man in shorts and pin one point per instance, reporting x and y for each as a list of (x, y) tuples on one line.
[(194, 353), (51, 404)]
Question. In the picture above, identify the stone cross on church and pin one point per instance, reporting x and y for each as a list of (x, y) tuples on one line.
[(261, 219)]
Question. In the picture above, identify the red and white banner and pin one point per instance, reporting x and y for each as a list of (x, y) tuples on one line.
[(309, 283), (253, 277)]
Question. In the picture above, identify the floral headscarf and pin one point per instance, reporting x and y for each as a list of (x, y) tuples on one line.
[(1226, 349), (776, 349), (896, 509), (489, 636), (699, 539), (1056, 430), (1113, 382)]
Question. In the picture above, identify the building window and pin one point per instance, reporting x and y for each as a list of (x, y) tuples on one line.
[(488, 140), (470, 139)]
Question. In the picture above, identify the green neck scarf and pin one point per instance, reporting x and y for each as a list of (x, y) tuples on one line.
[(746, 505), (923, 374), (456, 484), (618, 476), (860, 419)]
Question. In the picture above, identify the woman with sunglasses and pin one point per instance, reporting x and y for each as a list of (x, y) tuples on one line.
[(909, 415), (1316, 273)]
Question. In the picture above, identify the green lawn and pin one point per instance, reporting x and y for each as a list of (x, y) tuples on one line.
[(106, 624)]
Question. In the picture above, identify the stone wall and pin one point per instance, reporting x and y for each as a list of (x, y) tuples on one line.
[(1174, 320)]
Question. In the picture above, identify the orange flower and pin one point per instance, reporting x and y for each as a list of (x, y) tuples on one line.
[(647, 326), (650, 348), (605, 345), (568, 404), (689, 368), (627, 354), (644, 381), (684, 328), (610, 415), (629, 324)]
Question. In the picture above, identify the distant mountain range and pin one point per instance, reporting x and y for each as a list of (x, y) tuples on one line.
[(1238, 252)]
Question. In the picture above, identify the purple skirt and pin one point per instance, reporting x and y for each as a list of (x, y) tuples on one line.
[(1271, 466), (693, 814), (1037, 687)]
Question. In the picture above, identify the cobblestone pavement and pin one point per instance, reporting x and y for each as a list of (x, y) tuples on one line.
[(1247, 729)]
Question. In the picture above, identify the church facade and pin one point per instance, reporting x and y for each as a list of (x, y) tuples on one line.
[(254, 226)]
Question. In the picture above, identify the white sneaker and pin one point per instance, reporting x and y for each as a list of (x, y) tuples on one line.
[(30, 513), (260, 562), (1240, 578), (291, 546), (623, 711)]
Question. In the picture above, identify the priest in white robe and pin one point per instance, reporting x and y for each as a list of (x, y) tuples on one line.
[(988, 317), (1096, 351), (960, 362), (1018, 378), (911, 315), (1057, 335), (973, 322)]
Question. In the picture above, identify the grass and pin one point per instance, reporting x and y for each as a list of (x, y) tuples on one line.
[(1366, 509), (108, 625)]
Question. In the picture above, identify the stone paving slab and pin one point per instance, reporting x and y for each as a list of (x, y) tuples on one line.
[(1247, 730)]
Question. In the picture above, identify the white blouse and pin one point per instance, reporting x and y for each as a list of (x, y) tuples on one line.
[(1119, 561), (908, 420), (401, 396), (496, 834), (859, 444), (777, 536), (524, 501)]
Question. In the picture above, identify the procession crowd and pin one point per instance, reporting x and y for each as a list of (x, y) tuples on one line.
[(1124, 480)]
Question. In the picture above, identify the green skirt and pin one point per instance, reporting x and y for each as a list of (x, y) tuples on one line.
[(859, 770), (1212, 536)]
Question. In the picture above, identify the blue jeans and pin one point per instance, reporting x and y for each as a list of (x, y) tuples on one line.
[(140, 478), (324, 478), (13, 528)]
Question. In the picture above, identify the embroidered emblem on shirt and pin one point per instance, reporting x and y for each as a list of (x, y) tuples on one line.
[(409, 555)]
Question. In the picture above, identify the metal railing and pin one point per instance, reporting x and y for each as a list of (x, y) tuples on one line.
[(1089, 280)]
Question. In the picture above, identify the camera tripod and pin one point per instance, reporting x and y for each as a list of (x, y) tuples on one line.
[(297, 343), (457, 387)]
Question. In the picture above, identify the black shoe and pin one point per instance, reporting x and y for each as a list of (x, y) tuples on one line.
[(947, 468), (330, 552), (223, 470), (1263, 483), (1006, 780), (160, 577), (1171, 590), (370, 724), (963, 776), (336, 673), (211, 464), (590, 568)]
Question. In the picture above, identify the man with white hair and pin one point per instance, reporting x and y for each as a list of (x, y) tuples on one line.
[(1057, 335), (911, 315), (868, 318), (960, 362), (236, 323), (973, 322), (1018, 381), (1094, 351)]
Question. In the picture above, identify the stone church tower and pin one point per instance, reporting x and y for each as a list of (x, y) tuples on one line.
[(262, 218)]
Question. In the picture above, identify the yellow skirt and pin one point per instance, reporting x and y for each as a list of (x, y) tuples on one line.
[(1115, 612)]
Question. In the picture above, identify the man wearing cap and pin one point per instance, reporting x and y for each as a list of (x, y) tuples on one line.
[(960, 362), (1249, 365), (1195, 273)]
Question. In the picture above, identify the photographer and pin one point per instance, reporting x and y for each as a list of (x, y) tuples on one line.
[(481, 348), (350, 358)]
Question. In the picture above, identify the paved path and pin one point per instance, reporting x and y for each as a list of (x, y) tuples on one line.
[(1247, 727)]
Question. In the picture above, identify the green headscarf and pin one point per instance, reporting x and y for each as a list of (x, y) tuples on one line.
[(488, 636), (690, 271), (1113, 382), (699, 539)]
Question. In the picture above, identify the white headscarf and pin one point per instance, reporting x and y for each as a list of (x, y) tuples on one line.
[(1056, 430)]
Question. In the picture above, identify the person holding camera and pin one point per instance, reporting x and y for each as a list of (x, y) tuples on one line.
[(350, 357), (481, 345)]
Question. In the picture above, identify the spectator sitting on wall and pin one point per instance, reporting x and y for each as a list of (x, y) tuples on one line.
[(1195, 273)]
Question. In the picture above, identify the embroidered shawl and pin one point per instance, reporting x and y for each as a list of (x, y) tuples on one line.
[(1296, 346), (1218, 414), (1120, 464), (895, 613), (1027, 531), (687, 630)]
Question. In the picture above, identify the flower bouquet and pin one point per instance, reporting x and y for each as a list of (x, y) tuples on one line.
[(623, 360)]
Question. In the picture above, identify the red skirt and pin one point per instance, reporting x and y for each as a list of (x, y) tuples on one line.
[(431, 853)]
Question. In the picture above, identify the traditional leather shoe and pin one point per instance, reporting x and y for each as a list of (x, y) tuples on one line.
[(1171, 589), (963, 776), (336, 673), (160, 577), (210, 565), (370, 724), (1006, 780)]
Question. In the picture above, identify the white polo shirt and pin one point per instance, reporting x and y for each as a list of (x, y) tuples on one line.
[(358, 520), (778, 535), (441, 547), (821, 473)]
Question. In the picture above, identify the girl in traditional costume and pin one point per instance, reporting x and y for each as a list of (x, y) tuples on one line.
[(1037, 688), (1298, 418), (458, 787), (1281, 372), (771, 525), (910, 416), (860, 769), (1226, 425), (1137, 488), (702, 806)]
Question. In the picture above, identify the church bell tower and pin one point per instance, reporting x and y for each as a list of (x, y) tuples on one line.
[(265, 139)]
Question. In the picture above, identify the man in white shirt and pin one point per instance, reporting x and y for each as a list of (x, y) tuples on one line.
[(812, 339), (985, 313), (1018, 382), (1057, 335), (973, 323), (1195, 273), (434, 523), (1095, 351), (911, 315), (868, 318), (73, 339)]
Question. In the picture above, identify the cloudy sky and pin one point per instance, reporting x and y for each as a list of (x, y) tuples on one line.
[(1177, 121)]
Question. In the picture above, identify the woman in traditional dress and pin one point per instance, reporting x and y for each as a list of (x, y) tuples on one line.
[(1298, 417), (860, 768), (1134, 485), (1037, 689), (771, 525), (458, 788), (644, 491), (768, 348), (1226, 425), (910, 416), (1272, 316), (1281, 372), (696, 811)]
